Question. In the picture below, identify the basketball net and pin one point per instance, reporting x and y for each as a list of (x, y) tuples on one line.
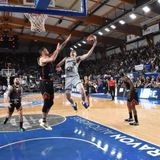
[(37, 21)]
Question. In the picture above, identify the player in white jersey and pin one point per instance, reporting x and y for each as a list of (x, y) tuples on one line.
[(72, 78)]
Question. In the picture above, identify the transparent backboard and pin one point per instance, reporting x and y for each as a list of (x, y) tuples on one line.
[(7, 72), (54, 7)]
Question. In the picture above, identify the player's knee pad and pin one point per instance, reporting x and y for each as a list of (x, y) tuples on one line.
[(46, 96)]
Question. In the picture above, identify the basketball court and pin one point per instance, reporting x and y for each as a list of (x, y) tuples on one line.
[(97, 133)]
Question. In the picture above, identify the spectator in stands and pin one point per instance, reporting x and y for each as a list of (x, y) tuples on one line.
[(26, 65), (148, 83), (141, 83), (138, 82)]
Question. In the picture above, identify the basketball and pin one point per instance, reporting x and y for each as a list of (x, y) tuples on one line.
[(91, 38)]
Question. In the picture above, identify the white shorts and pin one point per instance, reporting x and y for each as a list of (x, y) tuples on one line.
[(71, 82)]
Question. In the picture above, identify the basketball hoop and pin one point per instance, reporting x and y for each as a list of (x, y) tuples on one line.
[(37, 21), (8, 73)]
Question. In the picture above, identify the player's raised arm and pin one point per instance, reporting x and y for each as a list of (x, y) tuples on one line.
[(56, 52), (58, 66), (90, 38), (65, 42), (45, 56), (61, 46)]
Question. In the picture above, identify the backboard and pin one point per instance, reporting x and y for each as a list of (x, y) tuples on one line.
[(7, 72), (52, 7)]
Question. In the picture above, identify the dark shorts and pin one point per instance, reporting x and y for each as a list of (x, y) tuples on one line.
[(133, 98), (13, 106), (112, 89), (47, 89), (87, 90)]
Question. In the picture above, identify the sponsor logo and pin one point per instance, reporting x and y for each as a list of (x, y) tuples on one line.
[(139, 145)]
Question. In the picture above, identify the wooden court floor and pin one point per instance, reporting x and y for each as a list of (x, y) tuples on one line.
[(106, 112)]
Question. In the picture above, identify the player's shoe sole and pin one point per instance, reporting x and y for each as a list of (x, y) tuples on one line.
[(128, 120), (134, 123)]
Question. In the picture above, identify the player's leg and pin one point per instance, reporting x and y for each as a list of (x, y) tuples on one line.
[(9, 113), (112, 93), (134, 102), (69, 98), (68, 90), (135, 123), (47, 92), (20, 110), (45, 96), (88, 97), (48, 102), (81, 90), (130, 119)]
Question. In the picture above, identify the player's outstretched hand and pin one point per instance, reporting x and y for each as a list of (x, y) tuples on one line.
[(68, 38), (58, 47), (91, 38)]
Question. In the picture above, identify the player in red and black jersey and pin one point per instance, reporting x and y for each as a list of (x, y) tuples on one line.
[(13, 97), (46, 80), (132, 100)]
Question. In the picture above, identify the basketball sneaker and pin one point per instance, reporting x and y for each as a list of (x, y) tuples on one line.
[(128, 120), (86, 106), (75, 106), (134, 123), (22, 129), (45, 125), (5, 121)]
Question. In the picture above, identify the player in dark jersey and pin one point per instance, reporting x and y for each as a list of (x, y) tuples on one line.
[(46, 80), (87, 89), (72, 78), (13, 97), (132, 100)]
